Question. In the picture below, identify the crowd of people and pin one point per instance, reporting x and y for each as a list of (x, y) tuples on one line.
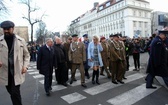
[(110, 55), (100, 54)]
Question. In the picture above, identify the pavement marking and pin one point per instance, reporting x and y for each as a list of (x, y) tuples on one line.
[(108, 85), (38, 76), (35, 72), (30, 70), (73, 97), (42, 81), (58, 87), (76, 83), (132, 96)]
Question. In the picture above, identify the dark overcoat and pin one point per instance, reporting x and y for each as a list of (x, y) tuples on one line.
[(45, 60), (157, 65)]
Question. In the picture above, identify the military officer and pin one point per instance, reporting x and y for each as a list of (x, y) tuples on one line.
[(66, 47), (157, 65), (105, 57), (77, 56), (86, 66), (116, 65)]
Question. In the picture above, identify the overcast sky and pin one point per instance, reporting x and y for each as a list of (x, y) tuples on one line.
[(60, 13)]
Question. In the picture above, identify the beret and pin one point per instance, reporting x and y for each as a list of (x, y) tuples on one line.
[(102, 38), (7, 24)]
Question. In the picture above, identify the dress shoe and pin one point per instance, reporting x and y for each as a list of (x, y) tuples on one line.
[(114, 82), (84, 85), (93, 82), (50, 88), (109, 77), (120, 81), (47, 93), (151, 87), (124, 78), (134, 69), (102, 74), (71, 81), (64, 84), (98, 82)]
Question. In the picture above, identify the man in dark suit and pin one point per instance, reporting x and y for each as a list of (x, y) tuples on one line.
[(61, 71), (157, 65), (45, 64)]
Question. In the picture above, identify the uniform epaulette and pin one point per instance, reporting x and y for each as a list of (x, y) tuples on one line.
[(158, 43)]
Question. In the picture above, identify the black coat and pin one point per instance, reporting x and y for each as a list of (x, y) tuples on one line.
[(157, 64), (45, 60)]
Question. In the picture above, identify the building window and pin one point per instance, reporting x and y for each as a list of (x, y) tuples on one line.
[(140, 13), (134, 23), (134, 12), (140, 24), (101, 7), (107, 4), (146, 24), (146, 14)]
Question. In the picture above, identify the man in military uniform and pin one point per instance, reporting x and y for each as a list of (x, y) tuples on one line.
[(105, 57), (116, 65), (158, 64), (77, 56), (66, 47), (86, 66)]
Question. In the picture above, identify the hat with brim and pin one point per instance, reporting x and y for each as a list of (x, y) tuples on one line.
[(111, 35), (165, 32), (116, 35), (85, 35), (7, 24), (74, 35)]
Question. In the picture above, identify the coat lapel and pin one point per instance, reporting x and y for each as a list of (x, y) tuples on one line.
[(3, 42)]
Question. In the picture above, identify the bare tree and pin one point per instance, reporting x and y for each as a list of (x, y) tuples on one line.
[(4, 10), (30, 10), (41, 32), (73, 30)]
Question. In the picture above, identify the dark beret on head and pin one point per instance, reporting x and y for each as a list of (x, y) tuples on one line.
[(7, 24)]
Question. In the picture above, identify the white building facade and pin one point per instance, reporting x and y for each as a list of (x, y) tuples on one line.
[(159, 20), (131, 18)]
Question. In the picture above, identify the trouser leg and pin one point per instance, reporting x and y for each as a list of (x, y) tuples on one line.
[(14, 91), (81, 68), (149, 80), (73, 71)]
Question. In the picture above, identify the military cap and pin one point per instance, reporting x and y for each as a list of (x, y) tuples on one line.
[(85, 35), (74, 35), (165, 32), (111, 35), (7, 24), (116, 35)]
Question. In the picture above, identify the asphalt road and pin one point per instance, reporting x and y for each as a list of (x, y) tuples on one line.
[(133, 92)]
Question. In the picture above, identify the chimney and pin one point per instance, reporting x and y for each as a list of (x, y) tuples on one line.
[(96, 4)]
